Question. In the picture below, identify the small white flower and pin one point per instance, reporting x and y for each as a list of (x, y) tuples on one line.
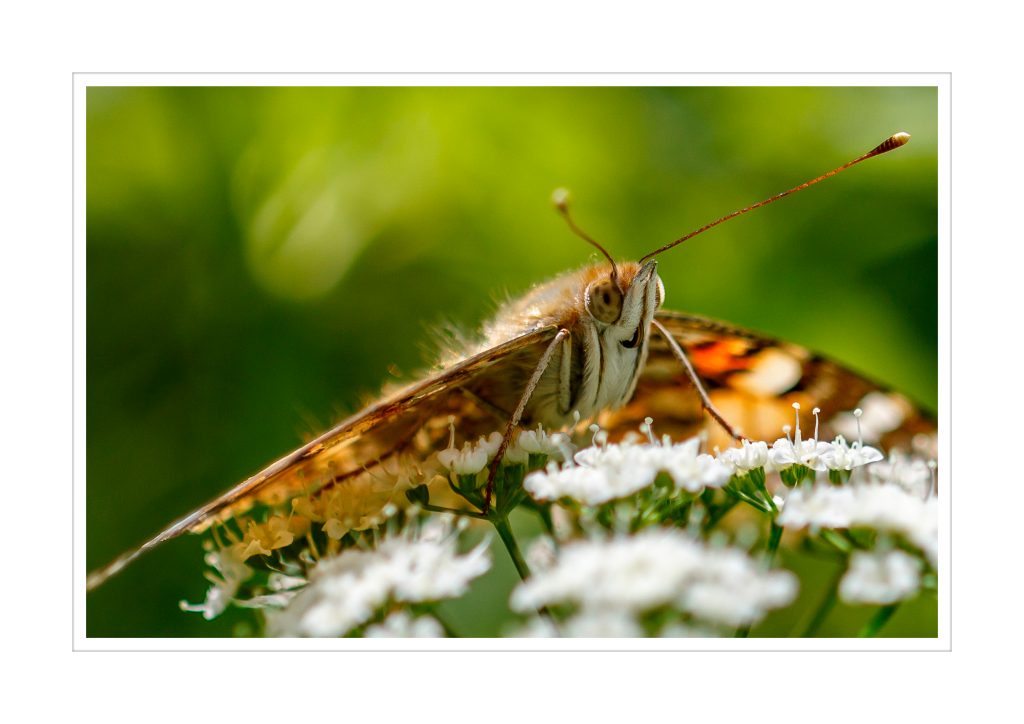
[(734, 591), (346, 590), (541, 554), (750, 456), (607, 473), (282, 582), (490, 444), (880, 578), (473, 457), (538, 442), (433, 571), (656, 568), (680, 631), (283, 589), (232, 572), (910, 473), (785, 453), (693, 471), (585, 624), (470, 460), (821, 506), (885, 507), (602, 624), (515, 455), (585, 484), (269, 600), (841, 456), (891, 508), (536, 628), (400, 625)]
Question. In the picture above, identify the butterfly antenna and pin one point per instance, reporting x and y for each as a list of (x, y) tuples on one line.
[(892, 142), (561, 200)]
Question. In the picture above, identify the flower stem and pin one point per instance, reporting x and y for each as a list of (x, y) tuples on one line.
[(501, 524), (879, 620), (774, 536), (769, 499), (545, 518), (753, 502), (825, 607), (839, 542), (718, 512)]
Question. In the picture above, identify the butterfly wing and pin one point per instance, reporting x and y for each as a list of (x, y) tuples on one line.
[(754, 380), (367, 459)]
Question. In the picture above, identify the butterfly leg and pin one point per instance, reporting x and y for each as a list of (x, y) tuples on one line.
[(698, 385), (513, 421)]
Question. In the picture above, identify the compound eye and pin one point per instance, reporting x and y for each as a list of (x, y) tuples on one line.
[(604, 301)]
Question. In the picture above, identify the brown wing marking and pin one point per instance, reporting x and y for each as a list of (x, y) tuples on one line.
[(406, 427), (754, 380)]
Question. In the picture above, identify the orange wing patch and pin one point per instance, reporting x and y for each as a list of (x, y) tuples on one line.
[(753, 381), (716, 357)]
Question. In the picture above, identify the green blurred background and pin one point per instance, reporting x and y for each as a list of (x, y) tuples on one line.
[(258, 258)]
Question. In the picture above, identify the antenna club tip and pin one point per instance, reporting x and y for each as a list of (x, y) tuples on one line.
[(560, 198), (892, 142)]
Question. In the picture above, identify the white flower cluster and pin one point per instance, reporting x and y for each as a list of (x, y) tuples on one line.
[(401, 625), (910, 473), (605, 624), (231, 573), (347, 590), (604, 473), (750, 456), (880, 577), (786, 452), (884, 507), (538, 442), (607, 579), (813, 453), (283, 588), (585, 624), (841, 456), (819, 456), (473, 457)]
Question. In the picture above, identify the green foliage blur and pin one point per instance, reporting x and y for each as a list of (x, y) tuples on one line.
[(258, 259)]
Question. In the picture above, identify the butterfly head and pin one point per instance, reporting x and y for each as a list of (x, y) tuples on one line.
[(622, 303), (620, 300)]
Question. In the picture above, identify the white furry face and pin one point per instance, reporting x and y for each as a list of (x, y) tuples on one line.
[(614, 352)]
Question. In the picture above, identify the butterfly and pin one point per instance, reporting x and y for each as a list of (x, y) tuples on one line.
[(591, 344)]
